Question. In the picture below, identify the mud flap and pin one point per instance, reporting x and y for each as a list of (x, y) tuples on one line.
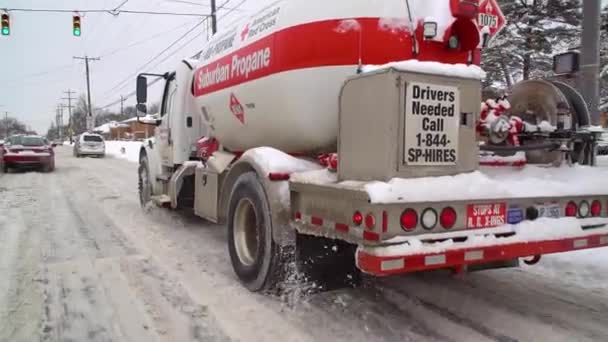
[(328, 263)]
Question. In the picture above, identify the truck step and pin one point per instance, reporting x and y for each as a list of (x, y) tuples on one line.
[(161, 200), (163, 178)]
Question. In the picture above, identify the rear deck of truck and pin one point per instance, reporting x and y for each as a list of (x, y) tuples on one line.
[(494, 214), (409, 190)]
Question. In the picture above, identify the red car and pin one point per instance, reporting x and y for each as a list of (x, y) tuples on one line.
[(27, 151)]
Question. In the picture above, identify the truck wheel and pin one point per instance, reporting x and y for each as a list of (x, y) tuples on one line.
[(145, 187), (257, 260)]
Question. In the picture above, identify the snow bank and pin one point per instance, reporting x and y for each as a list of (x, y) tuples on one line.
[(273, 160), (485, 184), (433, 68), (519, 157), (128, 150), (527, 231), (148, 119), (491, 183), (323, 176)]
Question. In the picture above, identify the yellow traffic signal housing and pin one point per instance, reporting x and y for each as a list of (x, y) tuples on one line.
[(76, 29), (6, 24)]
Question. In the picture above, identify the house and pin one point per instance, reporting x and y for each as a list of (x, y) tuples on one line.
[(604, 115), (140, 128), (112, 130), (130, 129)]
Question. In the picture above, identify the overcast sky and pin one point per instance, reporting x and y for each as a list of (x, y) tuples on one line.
[(36, 59)]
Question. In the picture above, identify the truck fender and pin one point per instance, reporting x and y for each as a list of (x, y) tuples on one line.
[(149, 150), (277, 192)]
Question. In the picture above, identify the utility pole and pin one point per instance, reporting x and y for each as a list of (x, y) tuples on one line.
[(90, 119), (69, 106), (588, 77), (57, 122), (122, 105), (60, 122), (6, 128), (213, 17)]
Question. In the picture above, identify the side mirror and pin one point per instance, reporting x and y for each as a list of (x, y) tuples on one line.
[(141, 108), (566, 63), (54, 145), (142, 89)]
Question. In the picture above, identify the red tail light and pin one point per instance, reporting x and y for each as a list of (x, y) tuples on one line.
[(370, 221), (448, 217), (571, 209), (357, 218), (278, 176), (596, 208), (409, 219)]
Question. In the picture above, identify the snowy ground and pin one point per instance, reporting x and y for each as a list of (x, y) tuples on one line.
[(128, 150), (80, 261)]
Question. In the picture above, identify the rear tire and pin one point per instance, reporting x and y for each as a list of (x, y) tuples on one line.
[(48, 167), (145, 186), (257, 260)]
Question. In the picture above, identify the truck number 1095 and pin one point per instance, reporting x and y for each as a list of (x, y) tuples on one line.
[(488, 20)]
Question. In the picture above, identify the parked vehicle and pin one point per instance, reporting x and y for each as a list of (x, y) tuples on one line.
[(279, 132), (89, 144), (27, 152)]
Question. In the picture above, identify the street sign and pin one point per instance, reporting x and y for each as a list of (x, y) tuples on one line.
[(491, 16)]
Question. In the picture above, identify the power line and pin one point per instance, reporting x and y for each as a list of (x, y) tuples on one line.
[(142, 41), (126, 97), (122, 4), (122, 83), (237, 7), (112, 12), (42, 73), (202, 5)]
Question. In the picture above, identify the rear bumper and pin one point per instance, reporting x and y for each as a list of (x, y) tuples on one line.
[(92, 152), (16, 159), (423, 256)]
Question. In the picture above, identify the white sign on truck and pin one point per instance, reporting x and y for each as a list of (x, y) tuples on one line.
[(432, 119)]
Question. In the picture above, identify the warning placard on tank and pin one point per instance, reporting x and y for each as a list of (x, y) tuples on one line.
[(432, 120)]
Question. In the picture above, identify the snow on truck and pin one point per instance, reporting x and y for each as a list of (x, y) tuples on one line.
[(284, 131)]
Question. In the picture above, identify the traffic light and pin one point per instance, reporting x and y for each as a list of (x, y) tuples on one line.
[(6, 24), (76, 25)]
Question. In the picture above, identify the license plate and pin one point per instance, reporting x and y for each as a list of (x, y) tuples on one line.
[(549, 210), (486, 215)]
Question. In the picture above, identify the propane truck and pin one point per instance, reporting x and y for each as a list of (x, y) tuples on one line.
[(346, 137)]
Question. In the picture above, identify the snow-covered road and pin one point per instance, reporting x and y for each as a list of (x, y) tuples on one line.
[(80, 261)]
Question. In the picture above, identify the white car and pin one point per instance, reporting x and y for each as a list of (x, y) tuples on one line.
[(89, 144)]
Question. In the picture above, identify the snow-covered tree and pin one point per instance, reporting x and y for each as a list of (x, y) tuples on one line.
[(535, 31), (604, 60)]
